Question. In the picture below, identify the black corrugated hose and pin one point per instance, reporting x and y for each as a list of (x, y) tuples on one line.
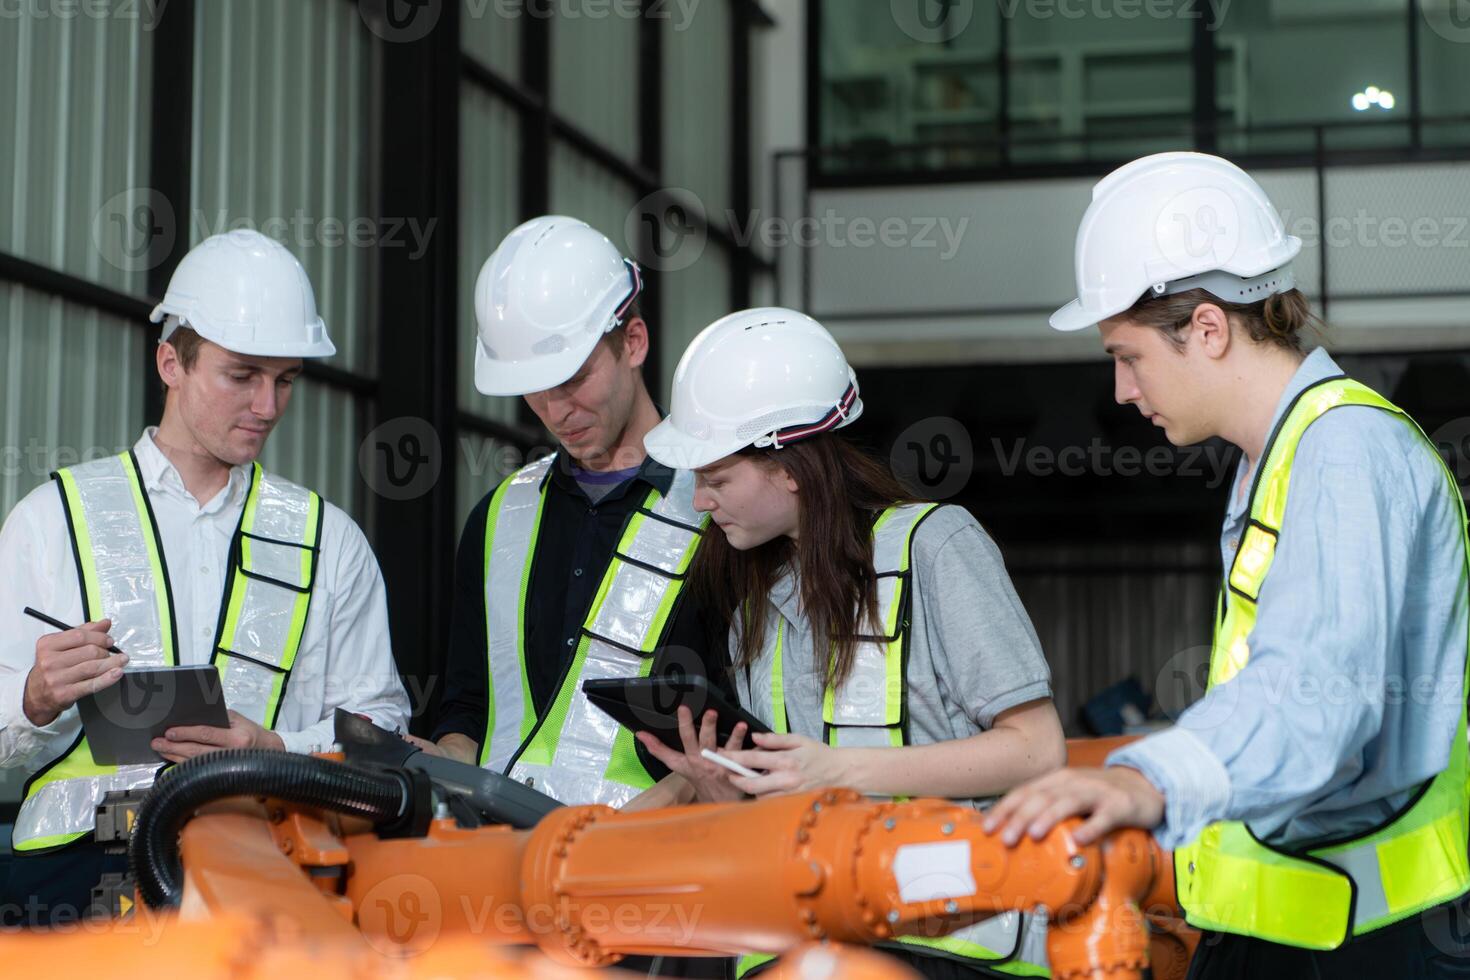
[(153, 851)]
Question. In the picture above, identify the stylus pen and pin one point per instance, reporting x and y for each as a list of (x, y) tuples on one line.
[(49, 621)]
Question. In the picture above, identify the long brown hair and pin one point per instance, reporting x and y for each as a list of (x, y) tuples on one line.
[(841, 492)]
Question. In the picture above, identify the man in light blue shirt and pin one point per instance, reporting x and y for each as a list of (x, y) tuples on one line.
[(1338, 677)]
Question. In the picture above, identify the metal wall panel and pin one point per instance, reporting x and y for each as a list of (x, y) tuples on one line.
[(281, 125), (74, 106), (594, 74), (280, 144), (581, 188), (693, 299), (65, 399), (697, 99), (489, 207), (492, 37)]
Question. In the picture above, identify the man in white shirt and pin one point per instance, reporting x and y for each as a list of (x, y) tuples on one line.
[(185, 551)]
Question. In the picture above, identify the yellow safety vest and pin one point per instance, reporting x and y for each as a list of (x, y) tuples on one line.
[(575, 752), (120, 565), (1228, 880), (870, 710)]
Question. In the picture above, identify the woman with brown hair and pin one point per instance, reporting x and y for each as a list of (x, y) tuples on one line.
[(879, 638)]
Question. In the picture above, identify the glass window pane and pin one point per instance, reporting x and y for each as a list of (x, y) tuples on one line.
[(1444, 72), (1102, 85), (918, 73), (594, 74), (697, 100), (72, 387), (490, 32), (74, 106), (1292, 64), (693, 298), (582, 188), (489, 207), (280, 137)]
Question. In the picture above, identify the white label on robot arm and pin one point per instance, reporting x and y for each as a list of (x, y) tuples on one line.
[(928, 871)]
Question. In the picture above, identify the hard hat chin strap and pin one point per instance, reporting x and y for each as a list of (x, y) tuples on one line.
[(635, 275), (1230, 288), (171, 323), (795, 433)]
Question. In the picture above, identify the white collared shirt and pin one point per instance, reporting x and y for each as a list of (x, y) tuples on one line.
[(344, 659)]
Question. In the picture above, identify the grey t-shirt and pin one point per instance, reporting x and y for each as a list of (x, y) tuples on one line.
[(973, 652)]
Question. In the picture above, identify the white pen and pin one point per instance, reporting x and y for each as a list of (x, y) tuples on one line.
[(729, 764)]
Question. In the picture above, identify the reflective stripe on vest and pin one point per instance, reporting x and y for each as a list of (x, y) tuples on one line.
[(576, 753), (869, 711), (1228, 880), (511, 528), (121, 569)]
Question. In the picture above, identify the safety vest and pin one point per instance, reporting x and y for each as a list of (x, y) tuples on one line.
[(1230, 881), (575, 752), (870, 710), (120, 565)]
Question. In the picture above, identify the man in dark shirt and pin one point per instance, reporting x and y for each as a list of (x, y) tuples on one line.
[(540, 603), (585, 514)]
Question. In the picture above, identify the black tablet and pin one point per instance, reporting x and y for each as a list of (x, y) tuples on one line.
[(120, 721), (650, 704)]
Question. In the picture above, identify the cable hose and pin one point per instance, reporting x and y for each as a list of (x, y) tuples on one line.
[(153, 850)]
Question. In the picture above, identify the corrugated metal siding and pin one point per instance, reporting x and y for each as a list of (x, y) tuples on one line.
[(594, 75), (693, 299), (73, 144), (280, 136), (697, 67), (280, 130), (1147, 610), (65, 399), (580, 187), (489, 205), (73, 162), (492, 38)]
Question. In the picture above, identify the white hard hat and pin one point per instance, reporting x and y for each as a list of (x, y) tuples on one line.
[(762, 377), (248, 294), (545, 296), (1171, 222)]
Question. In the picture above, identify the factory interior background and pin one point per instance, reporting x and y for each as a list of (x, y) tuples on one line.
[(908, 172)]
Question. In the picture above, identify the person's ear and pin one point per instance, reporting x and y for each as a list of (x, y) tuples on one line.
[(635, 341), (170, 368), (1210, 326)]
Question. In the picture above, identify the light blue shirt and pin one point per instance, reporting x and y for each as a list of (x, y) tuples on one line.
[(1354, 688)]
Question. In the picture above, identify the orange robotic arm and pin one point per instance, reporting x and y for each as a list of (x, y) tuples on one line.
[(589, 884)]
